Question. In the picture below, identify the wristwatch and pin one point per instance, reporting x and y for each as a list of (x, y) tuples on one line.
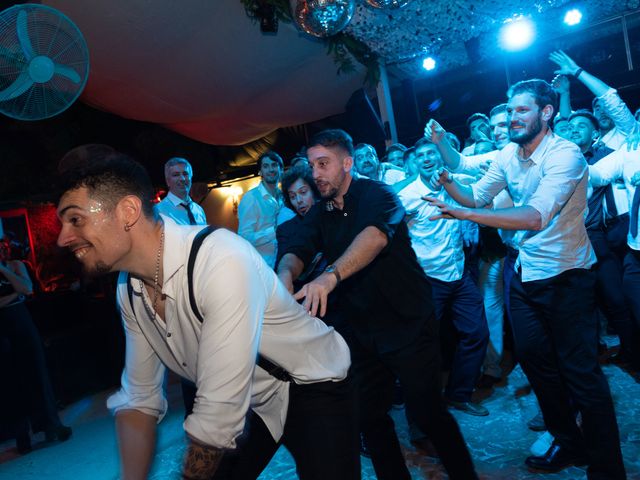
[(332, 269)]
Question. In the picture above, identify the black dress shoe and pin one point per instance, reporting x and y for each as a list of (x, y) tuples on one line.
[(555, 459)]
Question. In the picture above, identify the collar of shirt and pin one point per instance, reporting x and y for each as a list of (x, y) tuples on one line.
[(353, 193), (266, 195), (539, 151), (177, 200)]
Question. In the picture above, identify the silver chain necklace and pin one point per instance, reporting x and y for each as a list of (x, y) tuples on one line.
[(156, 286)]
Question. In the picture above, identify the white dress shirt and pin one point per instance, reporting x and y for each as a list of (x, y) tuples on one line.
[(438, 244), (625, 124), (170, 207), (258, 219), (615, 166), (470, 165), (246, 310), (554, 182)]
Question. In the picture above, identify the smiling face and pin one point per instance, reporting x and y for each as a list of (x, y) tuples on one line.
[(366, 161), (583, 132), (94, 235), (524, 117), (301, 196), (178, 178), (500, 129), (428, 160), (396, 157), (331, 170), (270, 171)]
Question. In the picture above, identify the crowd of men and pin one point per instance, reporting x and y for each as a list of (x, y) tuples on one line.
[(358, 267)]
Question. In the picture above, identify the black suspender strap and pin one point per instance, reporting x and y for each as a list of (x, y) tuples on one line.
[(274, 370), (270, 367)]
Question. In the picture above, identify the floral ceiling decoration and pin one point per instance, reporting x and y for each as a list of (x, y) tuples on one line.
[(403, 36)]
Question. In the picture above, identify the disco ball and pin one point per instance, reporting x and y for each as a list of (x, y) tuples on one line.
[(322, 18), (387, 3)]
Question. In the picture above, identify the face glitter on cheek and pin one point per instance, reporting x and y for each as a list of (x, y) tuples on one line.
[(95, 207)]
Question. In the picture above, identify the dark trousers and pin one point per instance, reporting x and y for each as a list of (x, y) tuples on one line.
[(631, 285), (616, 230), (555, 337), (460, 303), (321, 432), (31, 395), (610, 294), (417, 367)]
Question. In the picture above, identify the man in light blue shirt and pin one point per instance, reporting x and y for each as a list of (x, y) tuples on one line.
[(552, 293), (178, 205)]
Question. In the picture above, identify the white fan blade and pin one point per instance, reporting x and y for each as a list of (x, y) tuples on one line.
[(23, 35), (17, 88), (68, 72)]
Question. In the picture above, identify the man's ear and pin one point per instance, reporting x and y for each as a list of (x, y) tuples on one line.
[(347, 163), (547, 113), (129, 210)]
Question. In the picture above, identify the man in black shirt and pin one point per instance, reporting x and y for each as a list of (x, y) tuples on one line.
[(386, 299)]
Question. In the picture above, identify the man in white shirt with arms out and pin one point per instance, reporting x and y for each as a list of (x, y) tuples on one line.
[(213, 320), (552, 293)]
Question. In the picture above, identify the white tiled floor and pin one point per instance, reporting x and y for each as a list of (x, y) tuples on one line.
[(499, 443)]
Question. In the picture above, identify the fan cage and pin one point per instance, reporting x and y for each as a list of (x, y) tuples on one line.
[(51, 34)]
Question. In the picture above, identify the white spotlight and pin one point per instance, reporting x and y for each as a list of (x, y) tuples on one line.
[(517, 34), (573, 17), (429, 63)]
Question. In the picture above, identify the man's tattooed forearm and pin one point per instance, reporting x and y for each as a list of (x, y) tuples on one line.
[(201, 461)]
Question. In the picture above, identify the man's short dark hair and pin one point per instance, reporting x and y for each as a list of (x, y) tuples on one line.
[(477, 116), (543, 93), (498, 109), (407, 153), (396, 147), (292, 175), (559, 118), (271, 155), (333, 138), (422, 142), (109, 178), (583, 112)]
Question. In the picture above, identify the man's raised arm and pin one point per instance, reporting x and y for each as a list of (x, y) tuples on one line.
[(289, 269)]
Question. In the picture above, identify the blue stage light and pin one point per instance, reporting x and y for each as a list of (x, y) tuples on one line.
[(573, 17), (429, 63), (517, 34)]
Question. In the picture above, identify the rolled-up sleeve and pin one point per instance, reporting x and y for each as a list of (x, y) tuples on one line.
[(228, 344), (558, 182), (615, 107), (491, 184), (471, 165), (143, 374), (382, 209)]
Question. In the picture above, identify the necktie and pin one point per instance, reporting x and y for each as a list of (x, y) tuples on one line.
[(633, 219), (187, 207), (612, 210)]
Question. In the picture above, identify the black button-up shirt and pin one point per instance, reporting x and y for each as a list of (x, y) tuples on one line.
[(390, 296)]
